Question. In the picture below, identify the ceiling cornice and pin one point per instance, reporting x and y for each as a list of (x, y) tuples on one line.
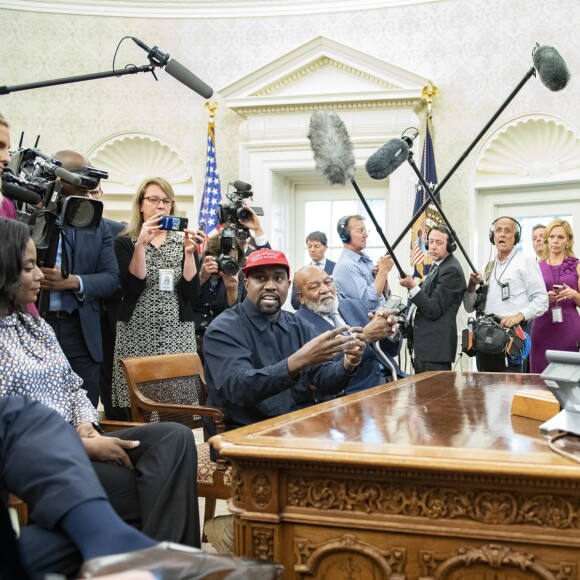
[(200, 8)]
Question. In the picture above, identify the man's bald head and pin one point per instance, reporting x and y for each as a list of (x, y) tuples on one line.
[(71, 160)]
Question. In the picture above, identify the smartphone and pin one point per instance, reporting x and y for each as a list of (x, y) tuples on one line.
[(173, 223), (557, 288)]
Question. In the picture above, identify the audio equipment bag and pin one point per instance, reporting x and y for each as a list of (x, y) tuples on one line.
[(485, 335)]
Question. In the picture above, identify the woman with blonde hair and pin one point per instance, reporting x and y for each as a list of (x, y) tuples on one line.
[(159, 277), (559, 327)]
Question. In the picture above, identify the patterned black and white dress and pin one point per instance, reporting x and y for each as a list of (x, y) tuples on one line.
[(154, 327)]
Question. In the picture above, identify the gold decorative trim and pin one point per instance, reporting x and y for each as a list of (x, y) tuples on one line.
[(310, 557), (493, 556), (323, 61), (490, 507)]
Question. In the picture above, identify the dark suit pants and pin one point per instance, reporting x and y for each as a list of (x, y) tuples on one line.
[(43, 461), (69, 334), (159, 496), (496, 363), (424, 366)]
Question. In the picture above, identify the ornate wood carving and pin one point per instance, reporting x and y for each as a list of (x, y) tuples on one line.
[(237, 485), (492, 556), (263, 543), (261, 490), (358, 559), (435, 503)]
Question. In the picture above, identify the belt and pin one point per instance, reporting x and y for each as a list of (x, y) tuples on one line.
[(60, 314)]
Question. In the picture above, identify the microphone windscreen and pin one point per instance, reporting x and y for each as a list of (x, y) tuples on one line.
[(551, 67), (185, 76), (331, 147), (388, 158), (18, 193)]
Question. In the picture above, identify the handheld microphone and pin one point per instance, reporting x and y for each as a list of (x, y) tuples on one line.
[(16, 189), (551, 67), (390, 156), (241, 185), (332, 147), (175, 69)]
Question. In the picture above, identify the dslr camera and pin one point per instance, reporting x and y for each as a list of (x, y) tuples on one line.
[(234, 208), (226, 263)]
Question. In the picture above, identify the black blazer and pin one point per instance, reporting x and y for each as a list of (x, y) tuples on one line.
[(328, 268), (435, 326)]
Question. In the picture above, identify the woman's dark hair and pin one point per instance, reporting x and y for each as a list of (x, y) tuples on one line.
[(14, 236), (213, 248)]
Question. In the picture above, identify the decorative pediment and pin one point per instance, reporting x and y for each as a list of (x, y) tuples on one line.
[(534, 146), (322, 73)]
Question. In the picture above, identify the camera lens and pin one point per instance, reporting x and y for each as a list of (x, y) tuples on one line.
[(80, 212), (244, 213), (228, 265)]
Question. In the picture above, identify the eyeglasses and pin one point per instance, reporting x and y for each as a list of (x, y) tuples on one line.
[(96, 193), (153, 200), (361, 231)]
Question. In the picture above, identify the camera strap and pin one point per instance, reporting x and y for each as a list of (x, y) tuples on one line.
[(486, 278)]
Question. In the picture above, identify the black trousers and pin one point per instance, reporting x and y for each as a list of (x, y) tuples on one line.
[(423, 366), (159, 496), (496, 363), (43, 461)]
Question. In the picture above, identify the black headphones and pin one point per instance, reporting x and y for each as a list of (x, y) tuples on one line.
[(342, 230), (518, 234), (451, 246)]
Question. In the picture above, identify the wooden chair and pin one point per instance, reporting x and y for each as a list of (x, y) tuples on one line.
[(171, 387)]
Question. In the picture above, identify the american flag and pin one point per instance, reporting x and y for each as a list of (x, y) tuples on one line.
[(431, 216), (212, 193)]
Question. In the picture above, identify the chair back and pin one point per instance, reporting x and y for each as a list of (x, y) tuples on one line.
[(170, 379)]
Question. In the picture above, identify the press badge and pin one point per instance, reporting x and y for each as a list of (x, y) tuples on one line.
[(557, 314), (166, 280), (505, 291)]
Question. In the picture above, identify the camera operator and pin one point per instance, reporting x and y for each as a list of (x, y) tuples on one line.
[(222, 283), (70, 304)]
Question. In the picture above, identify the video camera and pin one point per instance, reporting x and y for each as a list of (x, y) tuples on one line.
[(31, 180), (226, 263), (234, 209)]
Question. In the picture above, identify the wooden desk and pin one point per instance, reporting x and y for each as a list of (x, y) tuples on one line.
[(425, 478)]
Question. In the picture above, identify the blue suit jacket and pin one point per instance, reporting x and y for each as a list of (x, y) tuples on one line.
[(328, 268), (93, 259), (370, 372)]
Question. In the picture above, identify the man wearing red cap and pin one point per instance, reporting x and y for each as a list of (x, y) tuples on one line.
[(262, 361)]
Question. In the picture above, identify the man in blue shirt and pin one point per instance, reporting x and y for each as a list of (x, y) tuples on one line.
[(355, 275), (262, 361)]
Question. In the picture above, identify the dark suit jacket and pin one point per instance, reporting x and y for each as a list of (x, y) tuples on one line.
[(370, 372), (110, 306), (435, 326), (328, 268), (93, 259)]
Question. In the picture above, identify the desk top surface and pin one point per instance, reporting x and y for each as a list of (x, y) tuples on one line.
[(439, 420)]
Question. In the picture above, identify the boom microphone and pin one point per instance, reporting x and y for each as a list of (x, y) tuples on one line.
[(331, 147), (551, 67), (389, 157), (241, 185), (175, 69)]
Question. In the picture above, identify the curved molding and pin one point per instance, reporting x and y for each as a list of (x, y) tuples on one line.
[(200, 8), (131, 157), (536, 147)]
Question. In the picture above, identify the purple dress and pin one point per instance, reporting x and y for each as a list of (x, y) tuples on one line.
[(548, 335)]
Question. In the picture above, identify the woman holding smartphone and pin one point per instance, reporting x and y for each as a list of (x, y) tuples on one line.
[(159, 277), (559, 327)]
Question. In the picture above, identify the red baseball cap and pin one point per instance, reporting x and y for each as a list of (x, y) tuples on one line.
[(266, 257)]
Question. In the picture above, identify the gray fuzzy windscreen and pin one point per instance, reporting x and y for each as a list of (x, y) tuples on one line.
[(331, 147), (551, 67)]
